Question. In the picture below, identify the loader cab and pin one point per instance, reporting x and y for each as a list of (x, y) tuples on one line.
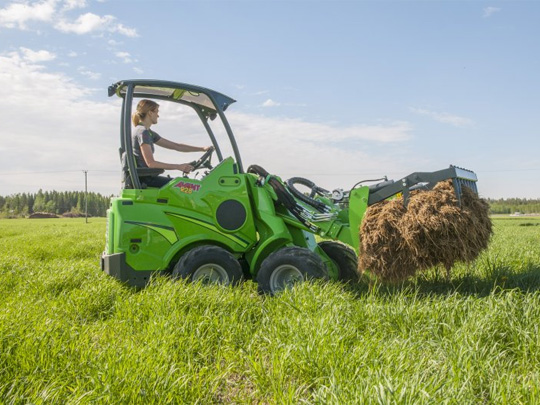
[(208, 105)]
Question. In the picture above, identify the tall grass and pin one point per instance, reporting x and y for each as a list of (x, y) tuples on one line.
[(71, 334)]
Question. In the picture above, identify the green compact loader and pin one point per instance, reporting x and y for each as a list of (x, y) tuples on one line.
[(232, 223)]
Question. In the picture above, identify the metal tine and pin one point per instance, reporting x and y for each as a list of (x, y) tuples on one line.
[(458, 187)]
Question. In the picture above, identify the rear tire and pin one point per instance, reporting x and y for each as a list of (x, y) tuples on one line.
[(209, 265), (288, 266), (344, 257)]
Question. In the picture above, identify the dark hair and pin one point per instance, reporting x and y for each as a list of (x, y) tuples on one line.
[(142, 109)]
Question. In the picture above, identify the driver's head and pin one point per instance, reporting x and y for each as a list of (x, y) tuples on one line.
[(142, 110)]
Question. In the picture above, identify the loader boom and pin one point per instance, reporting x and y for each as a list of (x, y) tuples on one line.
[(345, 216)]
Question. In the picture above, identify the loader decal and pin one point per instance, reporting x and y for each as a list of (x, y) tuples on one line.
[(187, 187), (165, 231)]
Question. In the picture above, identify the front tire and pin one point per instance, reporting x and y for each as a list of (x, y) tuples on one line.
[(288, 266), (345, 259), (209, 265)]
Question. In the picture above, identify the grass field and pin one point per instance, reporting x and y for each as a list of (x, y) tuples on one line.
[(70, 334)]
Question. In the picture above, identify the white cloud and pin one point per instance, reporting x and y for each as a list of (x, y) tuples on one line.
[(489, 11), (126, 31), (21, 14), (90, 22), (329, 155), (321, 133), (69, 132), (125, 56), (54, 127), (270, 103), (73, 4), (444, 117), (87, 73), (36, 56), (18, 15), (86, 23), (113, 43), (137, 70)]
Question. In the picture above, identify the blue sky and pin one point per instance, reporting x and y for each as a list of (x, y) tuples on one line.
[(335, 91)]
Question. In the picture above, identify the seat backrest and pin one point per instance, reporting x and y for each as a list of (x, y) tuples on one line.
[(126, 181)]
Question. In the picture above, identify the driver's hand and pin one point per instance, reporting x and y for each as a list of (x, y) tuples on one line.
[(207, 148), (185, 168)]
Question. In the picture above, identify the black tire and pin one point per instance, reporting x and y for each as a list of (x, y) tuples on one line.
[(344, 257), (288, 266), (210, 265)]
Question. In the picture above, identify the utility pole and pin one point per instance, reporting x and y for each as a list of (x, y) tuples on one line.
[(86, 195)]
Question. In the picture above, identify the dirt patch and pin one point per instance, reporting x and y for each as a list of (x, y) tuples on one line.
[(398, 242)]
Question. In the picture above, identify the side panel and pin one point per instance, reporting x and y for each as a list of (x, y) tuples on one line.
[(152, 226)]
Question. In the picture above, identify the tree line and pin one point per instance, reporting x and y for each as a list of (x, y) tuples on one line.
[(60, 203), (512, 205), (54, 202)]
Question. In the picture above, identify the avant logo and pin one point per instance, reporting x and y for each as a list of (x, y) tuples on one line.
[(187, 188)]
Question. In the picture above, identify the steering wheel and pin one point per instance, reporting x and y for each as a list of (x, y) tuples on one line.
[(203, 161)]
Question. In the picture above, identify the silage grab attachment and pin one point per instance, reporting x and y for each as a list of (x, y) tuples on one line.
[(423, 181)]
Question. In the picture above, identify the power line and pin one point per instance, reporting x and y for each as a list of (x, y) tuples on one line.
[(401, 172), (281, 173), (56, 171)]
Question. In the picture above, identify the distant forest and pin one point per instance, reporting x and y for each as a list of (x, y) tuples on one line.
[(72, 203), (53, 202), (512, 205)]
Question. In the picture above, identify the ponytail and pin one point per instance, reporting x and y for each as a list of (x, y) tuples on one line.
[(136, 118)]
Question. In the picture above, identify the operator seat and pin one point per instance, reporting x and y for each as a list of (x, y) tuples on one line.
[(141, 171)]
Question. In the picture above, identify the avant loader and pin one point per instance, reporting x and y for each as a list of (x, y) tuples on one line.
[(234, 223)]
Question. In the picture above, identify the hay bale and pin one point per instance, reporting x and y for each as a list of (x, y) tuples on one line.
[(40, 215), (73, 214), (396, 243)]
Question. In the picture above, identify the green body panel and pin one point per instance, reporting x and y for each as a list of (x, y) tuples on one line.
[(154, 226)]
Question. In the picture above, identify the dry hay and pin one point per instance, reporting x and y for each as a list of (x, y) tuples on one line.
[(72, 214), (397, 242), (42, 215)]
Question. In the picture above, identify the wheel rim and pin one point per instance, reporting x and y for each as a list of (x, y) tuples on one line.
[(211, 273), (285, 276)]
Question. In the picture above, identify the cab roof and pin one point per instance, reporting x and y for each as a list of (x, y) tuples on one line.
[(208, 100)]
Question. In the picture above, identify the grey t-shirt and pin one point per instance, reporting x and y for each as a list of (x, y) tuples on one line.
[(140, 136)]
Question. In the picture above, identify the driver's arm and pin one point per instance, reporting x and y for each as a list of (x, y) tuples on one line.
[(148, 156), (180, 147)]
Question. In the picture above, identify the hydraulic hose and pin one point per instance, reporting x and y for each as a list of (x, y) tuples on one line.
[(307, 199), (284, 197)]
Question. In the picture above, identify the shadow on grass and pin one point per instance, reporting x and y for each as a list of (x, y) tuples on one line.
[(501, 279)]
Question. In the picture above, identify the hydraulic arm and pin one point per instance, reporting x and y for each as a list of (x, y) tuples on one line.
[(338, 214)]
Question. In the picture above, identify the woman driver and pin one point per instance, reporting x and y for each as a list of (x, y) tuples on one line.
[(143, 139)]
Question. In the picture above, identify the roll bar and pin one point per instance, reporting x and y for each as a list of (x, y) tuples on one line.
[(207, 103)]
